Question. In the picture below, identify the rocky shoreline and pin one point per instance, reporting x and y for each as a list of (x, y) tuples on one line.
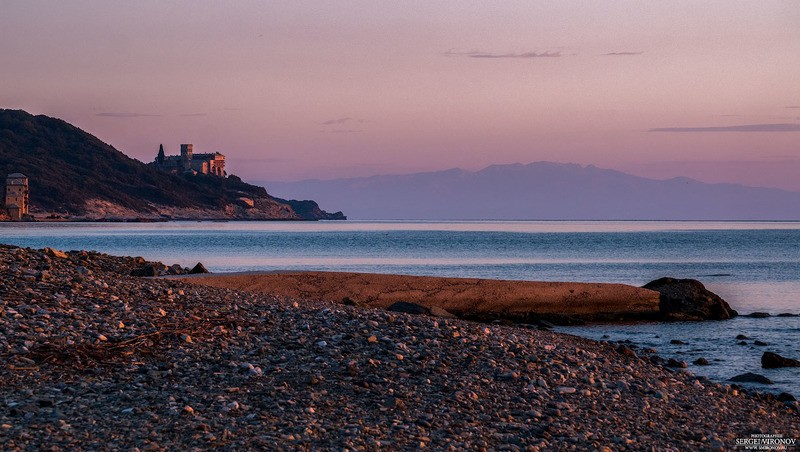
[(486, 300), (93, 358)]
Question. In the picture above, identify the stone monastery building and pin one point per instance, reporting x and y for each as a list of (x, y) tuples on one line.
[(212, 163)]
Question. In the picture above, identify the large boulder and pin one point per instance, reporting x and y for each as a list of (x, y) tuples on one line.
[(145, 271), (688, 299), (771, 360), (198, 269), (750, 377)]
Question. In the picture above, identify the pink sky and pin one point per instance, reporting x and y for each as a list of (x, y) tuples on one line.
[(299, 89)]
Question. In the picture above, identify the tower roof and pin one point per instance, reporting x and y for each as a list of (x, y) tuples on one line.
[(16, 176)]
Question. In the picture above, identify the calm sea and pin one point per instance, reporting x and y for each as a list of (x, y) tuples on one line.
[(755, 266)]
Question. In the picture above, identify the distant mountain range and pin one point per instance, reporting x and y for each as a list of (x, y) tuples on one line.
[(72, 173), (543, 191)]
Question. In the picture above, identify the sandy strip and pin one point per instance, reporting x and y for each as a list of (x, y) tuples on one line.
[(462, 296)]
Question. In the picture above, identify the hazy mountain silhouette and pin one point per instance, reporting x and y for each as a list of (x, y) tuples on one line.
[(543, 190)]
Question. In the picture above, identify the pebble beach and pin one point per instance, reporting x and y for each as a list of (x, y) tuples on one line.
[(95, 359)]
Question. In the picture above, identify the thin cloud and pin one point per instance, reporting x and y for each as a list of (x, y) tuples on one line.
[(491, 55), (194, 114), (741, 128), (342, 131), (124, 115), (336, 121), (622, 53), (793, 106)]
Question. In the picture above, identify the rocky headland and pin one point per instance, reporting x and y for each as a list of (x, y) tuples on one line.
[(93, 358), (75, 176)]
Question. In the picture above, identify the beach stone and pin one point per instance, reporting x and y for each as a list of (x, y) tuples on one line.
[(672, 362), (198, 269), (750, 377), (408, 308), (145, 271), (786, 397), (688, 299), (347, 301), (436, 311), (626, 351), (55, 253), (701, 362), (771, 360)]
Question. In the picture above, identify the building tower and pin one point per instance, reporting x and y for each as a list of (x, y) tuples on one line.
[(160, 157), (16, 200), (186, 156)]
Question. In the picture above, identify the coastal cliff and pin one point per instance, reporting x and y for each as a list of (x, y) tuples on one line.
[(75, 175)]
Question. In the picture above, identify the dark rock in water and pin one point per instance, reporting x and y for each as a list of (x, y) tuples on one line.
[(788, 314), (771, 360), (688, 299), (741, 337), (741, 343), (750, 377), (672, 362), (677, 342), (786, 397), (701, 362), (761, 343), (145, 271), (199, 268), (758, 315), (409, 308)]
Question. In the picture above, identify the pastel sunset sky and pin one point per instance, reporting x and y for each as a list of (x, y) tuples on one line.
[(322, 89)]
